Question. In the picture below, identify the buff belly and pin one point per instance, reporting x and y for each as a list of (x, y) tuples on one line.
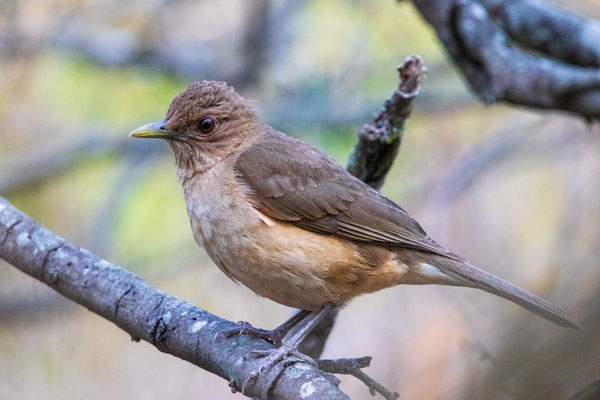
[(299, 268)]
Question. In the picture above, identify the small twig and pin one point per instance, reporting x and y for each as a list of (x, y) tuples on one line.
[(344, 365), (379, 140), (353, 366)]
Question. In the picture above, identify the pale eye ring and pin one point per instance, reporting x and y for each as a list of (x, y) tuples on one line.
[(207, 125)]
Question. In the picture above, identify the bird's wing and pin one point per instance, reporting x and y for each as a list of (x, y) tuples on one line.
[(292, 181)]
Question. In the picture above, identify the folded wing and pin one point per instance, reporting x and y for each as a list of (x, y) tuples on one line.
[(294, 182)]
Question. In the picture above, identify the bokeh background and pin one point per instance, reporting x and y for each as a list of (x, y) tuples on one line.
[(516, 191)]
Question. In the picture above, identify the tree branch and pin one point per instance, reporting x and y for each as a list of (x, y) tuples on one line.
[(353, 366), (379, 140), (562, 35), (499, 70), (171, 325)]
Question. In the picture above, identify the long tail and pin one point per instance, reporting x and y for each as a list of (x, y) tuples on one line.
[(475, 277)]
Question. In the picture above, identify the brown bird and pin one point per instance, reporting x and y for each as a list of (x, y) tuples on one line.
[(287, 221)]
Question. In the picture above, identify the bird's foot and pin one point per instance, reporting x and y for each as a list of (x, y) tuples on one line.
[(245, 328), (272, 358)]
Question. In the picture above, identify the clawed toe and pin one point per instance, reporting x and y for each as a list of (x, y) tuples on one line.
[(241, 328), (272, 358), (245, 328), (259, 353)]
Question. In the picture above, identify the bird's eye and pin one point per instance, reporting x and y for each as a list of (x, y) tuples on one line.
[(207, 125)]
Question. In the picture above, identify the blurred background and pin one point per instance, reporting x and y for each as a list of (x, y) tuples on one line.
[(516, 191)]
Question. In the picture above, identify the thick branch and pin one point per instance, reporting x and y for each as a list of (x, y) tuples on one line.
[(497, 70), (555, 32), (170, 324)]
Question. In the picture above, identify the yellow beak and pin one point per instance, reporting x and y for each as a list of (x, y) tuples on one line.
[(153, 130)]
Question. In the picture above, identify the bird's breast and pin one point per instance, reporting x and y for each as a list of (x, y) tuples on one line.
[(279, 260)]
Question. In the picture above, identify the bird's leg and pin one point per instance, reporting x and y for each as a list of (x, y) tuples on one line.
[(291, 342), (275, 335)]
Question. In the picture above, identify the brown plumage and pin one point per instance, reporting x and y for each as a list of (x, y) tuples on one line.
[(287, 221)]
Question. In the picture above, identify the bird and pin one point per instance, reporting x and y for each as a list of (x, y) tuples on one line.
[(284, 219)]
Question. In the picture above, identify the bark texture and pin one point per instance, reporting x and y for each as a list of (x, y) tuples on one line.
[(521, 52), (171, 325)]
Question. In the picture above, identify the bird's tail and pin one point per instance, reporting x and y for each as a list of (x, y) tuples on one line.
[(475, 277)]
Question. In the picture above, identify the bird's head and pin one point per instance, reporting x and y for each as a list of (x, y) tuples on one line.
[(204, 124)]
